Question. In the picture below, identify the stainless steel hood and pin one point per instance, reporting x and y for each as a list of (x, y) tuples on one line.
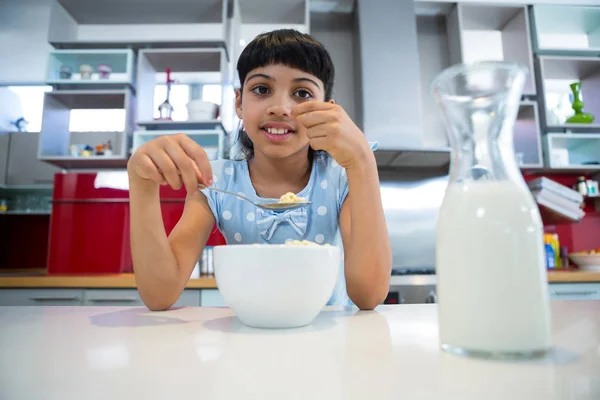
[(391, 85)]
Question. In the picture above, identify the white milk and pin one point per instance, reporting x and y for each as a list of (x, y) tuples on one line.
[(492, 285)]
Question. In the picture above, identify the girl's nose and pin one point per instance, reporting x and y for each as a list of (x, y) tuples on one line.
[(279, 108)]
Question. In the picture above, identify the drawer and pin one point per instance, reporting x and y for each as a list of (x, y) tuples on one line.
[(575, 291), (41, 297), (112, 297), (131, 297)]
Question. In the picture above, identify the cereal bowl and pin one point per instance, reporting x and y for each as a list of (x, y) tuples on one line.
[(276, 286)]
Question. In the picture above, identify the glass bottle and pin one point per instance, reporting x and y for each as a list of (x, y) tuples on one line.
[(490, 258)]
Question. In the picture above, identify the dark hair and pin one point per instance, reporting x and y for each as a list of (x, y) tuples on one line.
[(293, 49)]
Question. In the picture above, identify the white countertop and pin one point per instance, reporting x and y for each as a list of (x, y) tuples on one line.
[(205, 353)]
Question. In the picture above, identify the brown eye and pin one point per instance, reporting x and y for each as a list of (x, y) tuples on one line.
[(303, 94), (260, 89)]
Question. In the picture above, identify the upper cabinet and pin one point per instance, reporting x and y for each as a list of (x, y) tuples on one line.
[(92, 23), (24, 41), (497, 33), (252, 17), (573, 30)]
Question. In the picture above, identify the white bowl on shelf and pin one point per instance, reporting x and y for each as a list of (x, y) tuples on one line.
[(586, 262), (276, 286), (199, 110)]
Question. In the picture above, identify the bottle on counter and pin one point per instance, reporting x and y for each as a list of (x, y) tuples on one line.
[(564, 255), (581, 186), (550, 255)]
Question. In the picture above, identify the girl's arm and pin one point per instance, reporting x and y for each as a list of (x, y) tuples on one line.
[(162, 264), (367, 249)]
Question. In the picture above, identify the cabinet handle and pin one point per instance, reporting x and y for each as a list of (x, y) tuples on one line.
[(57, 298), (583, 293), (100, 300)]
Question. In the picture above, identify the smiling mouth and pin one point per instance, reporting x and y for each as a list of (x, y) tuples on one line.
[(277, 131)]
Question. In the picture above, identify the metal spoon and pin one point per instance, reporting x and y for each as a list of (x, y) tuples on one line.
[(267, 206)]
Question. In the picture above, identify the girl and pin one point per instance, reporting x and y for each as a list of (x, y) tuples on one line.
[(294, 139)]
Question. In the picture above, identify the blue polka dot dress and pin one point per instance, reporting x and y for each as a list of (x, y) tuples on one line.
[(242, 223)]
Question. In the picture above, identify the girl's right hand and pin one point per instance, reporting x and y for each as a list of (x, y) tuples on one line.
[(172, 160)]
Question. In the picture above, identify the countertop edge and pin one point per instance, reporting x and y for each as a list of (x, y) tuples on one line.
[(127, 281), (117, 281)]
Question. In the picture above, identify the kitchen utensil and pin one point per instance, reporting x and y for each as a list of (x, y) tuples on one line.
[(586, 262), (489, 232), (266, 206), (276, 286)]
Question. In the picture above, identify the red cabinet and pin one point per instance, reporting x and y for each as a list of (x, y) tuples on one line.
[(89, 226)]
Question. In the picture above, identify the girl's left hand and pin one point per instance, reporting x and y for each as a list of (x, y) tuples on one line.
[(329, 128)]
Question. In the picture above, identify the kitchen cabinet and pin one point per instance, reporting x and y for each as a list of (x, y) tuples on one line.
[(86, 297), (575, 291), (23, 167), (41, 297), (4, 144), (131, 297), (212, 298)]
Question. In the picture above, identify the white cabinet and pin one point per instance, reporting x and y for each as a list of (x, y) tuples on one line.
[(89, 23), (131, 297), (23, 167), (212, 298), (575, 291), (86, 297), (41, 297)]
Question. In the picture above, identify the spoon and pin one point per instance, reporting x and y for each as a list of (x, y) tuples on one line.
[(267, 206)]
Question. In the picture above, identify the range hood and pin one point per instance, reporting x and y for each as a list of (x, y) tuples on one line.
[(391, 85)]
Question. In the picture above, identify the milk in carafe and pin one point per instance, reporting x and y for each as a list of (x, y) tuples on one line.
[(491, 277)]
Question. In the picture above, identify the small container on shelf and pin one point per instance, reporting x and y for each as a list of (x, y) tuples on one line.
[(86, 70), (66, 72), (104, 71)]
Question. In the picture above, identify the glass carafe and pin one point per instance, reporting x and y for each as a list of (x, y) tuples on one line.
[(490, 264)]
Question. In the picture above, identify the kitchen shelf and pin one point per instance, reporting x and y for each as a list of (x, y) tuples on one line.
[(91, 162), (252, 17), (556, 74), (34, 212), (121, 61), (527, 136), (581, 148), (56, 137), (566, 30), (490, 32), (180, 125), (127, 23), (189, 66), (211, 140)]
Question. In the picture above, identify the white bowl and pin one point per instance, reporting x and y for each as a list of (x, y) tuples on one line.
[(586, 262), (276, 286), (201, 110)]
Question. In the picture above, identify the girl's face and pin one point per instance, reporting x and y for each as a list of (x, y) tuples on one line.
[(265, 103)]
